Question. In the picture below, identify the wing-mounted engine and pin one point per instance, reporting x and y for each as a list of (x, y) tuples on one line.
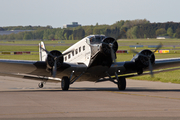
[(50, 61), (54, 60), (144, 59)]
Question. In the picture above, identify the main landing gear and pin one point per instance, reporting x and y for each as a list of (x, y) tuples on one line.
[(65, 82), (121, 83)]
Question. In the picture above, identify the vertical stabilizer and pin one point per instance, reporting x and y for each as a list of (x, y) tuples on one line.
[(42, 53)]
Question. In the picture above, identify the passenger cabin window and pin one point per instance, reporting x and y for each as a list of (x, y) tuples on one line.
[(83, 48), (72, 53), (79, 49), (65, 58), (69, 56), (76, 51)]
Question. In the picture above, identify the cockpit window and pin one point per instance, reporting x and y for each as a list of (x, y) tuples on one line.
[(96, 39)]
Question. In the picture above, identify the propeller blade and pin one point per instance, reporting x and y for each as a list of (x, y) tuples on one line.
[(113, 55), (104, 43), (47, 52), (55, 67), (150, 67), (134, 51), (158, 47), (113, 41), (112, 51), (55, 62)]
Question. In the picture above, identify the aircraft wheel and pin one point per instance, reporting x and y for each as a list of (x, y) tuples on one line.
[(41, 85), (65, 83), (122, 83)]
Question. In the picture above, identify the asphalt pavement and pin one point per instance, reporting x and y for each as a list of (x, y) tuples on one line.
[(22, 99)]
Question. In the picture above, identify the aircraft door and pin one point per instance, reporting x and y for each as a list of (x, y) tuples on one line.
[(88, 56)]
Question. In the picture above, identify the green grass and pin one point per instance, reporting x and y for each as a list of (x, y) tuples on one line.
[(20, 57), (148, 41), (172, 76), (31, 48)]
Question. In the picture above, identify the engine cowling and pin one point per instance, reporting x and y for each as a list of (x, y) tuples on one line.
[(106, 49), (142, 61), (50, 60)]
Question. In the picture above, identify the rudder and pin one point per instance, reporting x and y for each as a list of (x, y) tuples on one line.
[(42, 53)]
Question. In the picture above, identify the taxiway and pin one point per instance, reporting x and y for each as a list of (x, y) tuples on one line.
[(21, 98)]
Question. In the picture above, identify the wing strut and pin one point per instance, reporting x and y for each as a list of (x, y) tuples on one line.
[(111, 79), (75, 78)]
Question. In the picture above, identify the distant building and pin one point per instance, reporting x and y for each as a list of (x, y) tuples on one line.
[(74, 24), (162, 37)]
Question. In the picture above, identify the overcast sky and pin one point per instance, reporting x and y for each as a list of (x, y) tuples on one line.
[(87, 12)]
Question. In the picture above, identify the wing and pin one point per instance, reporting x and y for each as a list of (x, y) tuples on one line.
[(36, 70), (160, 65)]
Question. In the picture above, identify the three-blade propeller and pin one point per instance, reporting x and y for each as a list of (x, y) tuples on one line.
[(112, 44), (149, 57), (112, 50), (54, 69)]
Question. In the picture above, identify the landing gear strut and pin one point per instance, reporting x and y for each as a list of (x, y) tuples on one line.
[(41, 85), (65, 83), (122, 83)]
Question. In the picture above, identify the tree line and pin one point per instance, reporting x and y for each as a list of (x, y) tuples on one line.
[(130, 29)]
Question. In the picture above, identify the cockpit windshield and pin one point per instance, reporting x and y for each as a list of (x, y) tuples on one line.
[(96, 39)]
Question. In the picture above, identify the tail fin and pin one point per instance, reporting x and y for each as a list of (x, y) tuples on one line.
[(42, 53)]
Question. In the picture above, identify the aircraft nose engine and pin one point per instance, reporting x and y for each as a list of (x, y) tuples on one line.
[(54, 57), (107, 44), (109, 48)]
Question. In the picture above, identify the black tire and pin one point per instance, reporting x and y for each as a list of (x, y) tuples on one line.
[(65, 83), (122, 83), (41, 85)]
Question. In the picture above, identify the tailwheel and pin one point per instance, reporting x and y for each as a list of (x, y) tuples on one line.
[(65, 83), (122, 83), (41, 85)]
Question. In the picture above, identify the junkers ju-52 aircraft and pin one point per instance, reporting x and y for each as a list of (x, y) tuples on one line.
[(90, 59)]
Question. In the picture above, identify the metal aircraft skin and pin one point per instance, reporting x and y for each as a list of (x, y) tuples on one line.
[(91, 59)]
